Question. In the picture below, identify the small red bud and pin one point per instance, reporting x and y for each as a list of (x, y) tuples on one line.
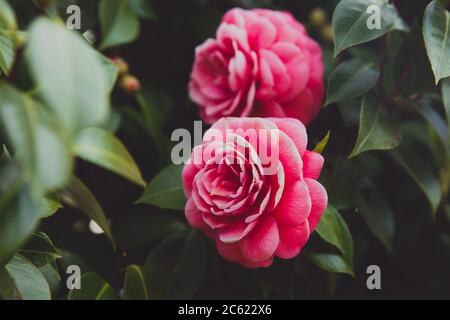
[(130, 84), (121, 65)]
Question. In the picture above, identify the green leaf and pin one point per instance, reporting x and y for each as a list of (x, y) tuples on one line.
[(52, 277), (166, 189), (351, 79), (70, 75), (103, 149), (417, 166), (41, 149), (19, 210), (8, 26), (110, 70), (135, 287), (77, 195), (376, 132), (320, 147), (350, 22), (143, 9), (446, 98), (40, 250), (377, 214), (330, 262), (176, 268), (333, 229), (436, 26), (28, 280), (93, 287), (50, 207), (118, 23)]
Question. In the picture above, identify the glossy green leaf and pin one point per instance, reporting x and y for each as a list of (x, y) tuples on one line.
[(40, 250), (351, 20), (377, 213), (135, 284), (376, 131), (351, 79), (93, 287), (333, 229), (143, 9), (19, 210), (416, 165), (166, 189), (28, 280), (77, 195), (76, 92), (7, 16), (118, 22), (330, 262), (52, 277), (436, 26), (110, 69), (103, 149), (176, 268), (50, 207)]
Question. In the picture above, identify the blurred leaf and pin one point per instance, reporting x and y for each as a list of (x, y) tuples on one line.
[(351, 79), (49, 208), (166, 190), (93, 287), (7, 288), (446, 98), (76, 92), (118, 23), (52, 277), (19, 210), (8, 27), (77, 195), (377, 214), (28, 280), (330, 262), (40, 148), (40, 250), (105, 150), (436, 24), (320, 147), (417, 166), (143, 9), (135, 286), (110, 69), (333, 229), (376, 132), (351, 18), (176, 268)]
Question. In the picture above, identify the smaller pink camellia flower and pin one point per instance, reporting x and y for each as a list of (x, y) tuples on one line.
[(252, 187), (261, 63)]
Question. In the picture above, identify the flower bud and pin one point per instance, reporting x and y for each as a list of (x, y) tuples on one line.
[(121, 65), (130, 84), (327, 32), (318, 17)]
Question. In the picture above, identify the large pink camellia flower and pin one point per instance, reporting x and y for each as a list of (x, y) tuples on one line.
[(262, 63), (252, 187)]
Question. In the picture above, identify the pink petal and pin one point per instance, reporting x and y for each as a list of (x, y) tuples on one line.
[(319, 200), (194, 216), (294, 206), (295, 130), (292, 240), (261, 243), (312, 164), (235, 232)]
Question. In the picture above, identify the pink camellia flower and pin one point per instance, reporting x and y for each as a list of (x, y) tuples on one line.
[(252, 187), (262, 63)]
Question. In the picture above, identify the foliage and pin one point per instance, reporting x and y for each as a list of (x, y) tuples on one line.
[(78, 145)]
